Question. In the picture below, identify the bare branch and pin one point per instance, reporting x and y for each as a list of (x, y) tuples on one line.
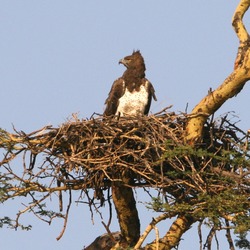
[(66, 217), (149, 229), (200, 234), (237, 22), (229, 237), (230, 87)]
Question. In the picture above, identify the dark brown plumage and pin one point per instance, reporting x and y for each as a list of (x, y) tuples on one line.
[(132, 93)]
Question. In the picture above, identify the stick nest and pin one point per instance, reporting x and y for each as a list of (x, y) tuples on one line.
[(149, 150)]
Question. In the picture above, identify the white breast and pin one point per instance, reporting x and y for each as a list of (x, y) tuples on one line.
[(133, 104)]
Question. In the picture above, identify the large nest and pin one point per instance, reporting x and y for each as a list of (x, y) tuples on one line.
[(151, 151)]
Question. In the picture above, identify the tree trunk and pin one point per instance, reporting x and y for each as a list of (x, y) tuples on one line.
[(127, 213)]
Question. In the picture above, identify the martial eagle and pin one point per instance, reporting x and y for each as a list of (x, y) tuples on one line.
[(132, 93)]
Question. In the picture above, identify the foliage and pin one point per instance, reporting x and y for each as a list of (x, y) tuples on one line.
[(242, 241), (6, 221)]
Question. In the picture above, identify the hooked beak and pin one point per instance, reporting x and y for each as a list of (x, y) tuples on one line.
[(123, 61)]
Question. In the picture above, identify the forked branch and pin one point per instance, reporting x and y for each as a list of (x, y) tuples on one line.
[(237, 22), (232, 85)]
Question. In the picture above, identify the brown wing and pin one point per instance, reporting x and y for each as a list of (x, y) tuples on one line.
[(151, 93), (117, 91)]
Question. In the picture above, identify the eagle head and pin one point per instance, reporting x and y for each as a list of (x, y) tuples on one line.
[(134, 61)]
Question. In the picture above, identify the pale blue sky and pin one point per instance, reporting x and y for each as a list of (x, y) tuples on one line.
[(60, 57)]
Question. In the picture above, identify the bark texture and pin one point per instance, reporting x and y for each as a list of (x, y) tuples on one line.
[(174, 234), (127, 213)]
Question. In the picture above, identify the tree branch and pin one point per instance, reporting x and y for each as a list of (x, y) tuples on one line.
[(230, 87), (149, 228), (237, 23), (173, 236)]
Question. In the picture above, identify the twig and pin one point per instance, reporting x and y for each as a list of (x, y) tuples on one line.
[(29, 208), (66, 217), (149, 228), (210, 236), (200, 234), (229, 237), (156, 237)]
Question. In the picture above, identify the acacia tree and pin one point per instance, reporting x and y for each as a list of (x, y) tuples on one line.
[(199, 166)]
